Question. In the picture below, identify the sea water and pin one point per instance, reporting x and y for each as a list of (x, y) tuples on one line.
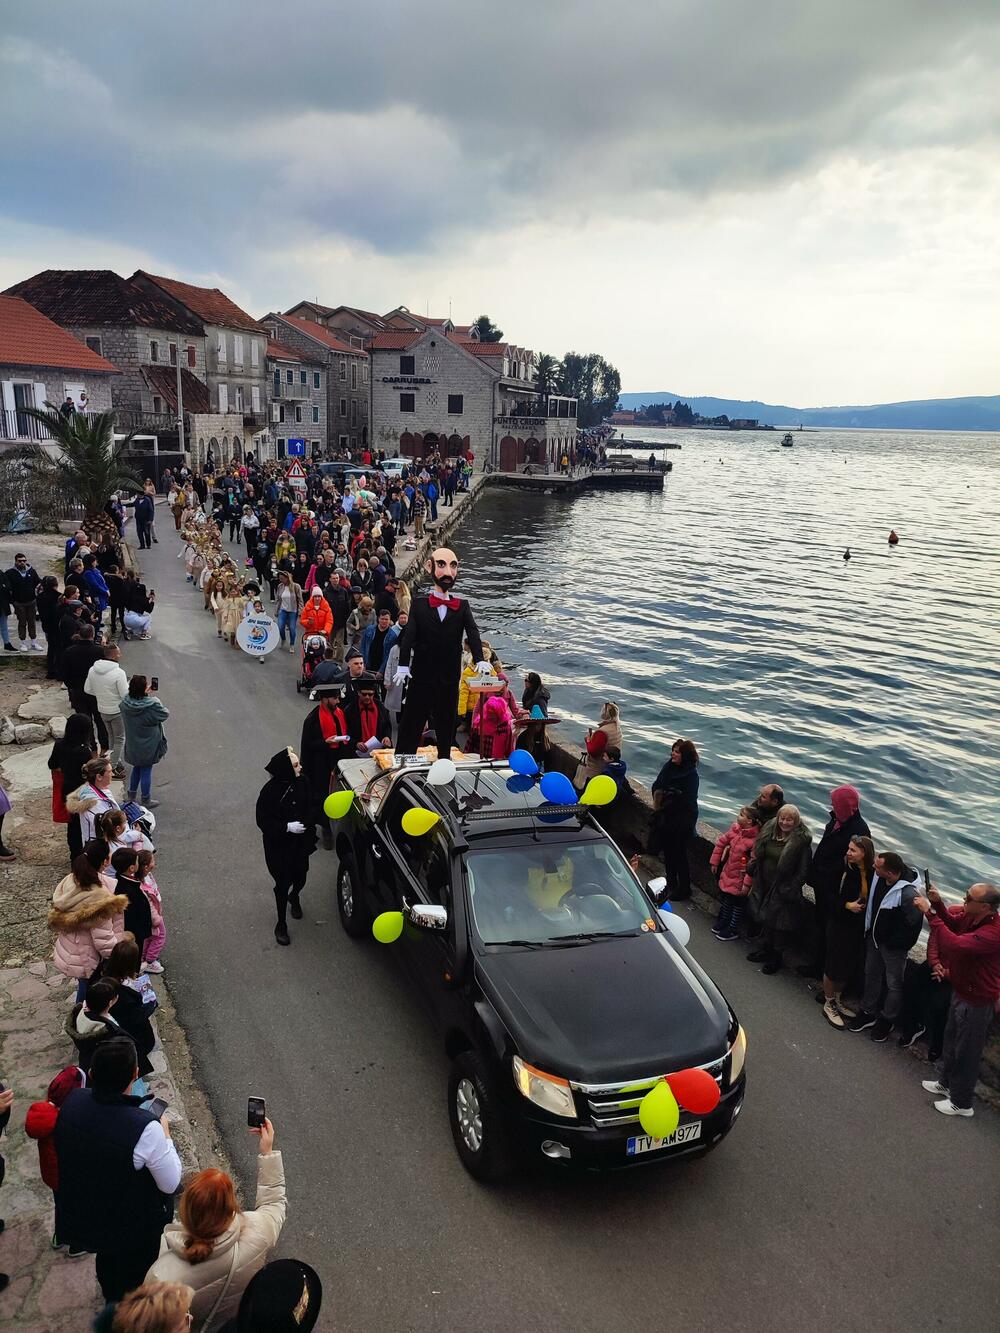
[(723, 609)]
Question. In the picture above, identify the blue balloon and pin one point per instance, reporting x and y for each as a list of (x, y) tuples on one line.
[(519, 784), (523, 762), (557, 788), (665, 906), (536, 712)]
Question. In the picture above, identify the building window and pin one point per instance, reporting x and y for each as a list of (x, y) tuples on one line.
[(303, 377), (298, 412), (221, 349), (406, 402), (290, 376), (343, 441), (154, 350), (281, 414), (314, 445), (255, 397), (354, 411), (157, 403), (456, 404), (281, 448), (237, 349), (364, 372), (239, 397), (343, 407), (223, 397), (173, 353), (315, 415), (254, 353), (192, 358), (407, 365), (316, 379), (343, 367), (95, 345), (354, 374)]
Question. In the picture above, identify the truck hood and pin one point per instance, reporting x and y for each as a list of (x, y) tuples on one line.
[(607, 1011)]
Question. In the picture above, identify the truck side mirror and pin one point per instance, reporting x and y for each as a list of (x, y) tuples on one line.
[(427, 916)]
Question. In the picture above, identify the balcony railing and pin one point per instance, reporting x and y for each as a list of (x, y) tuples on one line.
[(254, 420), (291, 391), (18, 427), (134, 419)]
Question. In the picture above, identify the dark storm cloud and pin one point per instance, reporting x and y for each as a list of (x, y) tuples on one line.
[(200, 130)]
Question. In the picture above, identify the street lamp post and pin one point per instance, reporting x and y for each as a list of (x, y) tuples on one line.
[(180, 408)]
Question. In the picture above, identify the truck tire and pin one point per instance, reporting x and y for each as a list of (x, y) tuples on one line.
[(354, 918), (482, 1139)]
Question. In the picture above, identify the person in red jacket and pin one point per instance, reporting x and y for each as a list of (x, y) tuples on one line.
[(40, 1123), (968, 945)]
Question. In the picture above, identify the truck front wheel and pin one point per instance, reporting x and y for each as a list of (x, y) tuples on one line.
[(481, 1137), (353, 916)]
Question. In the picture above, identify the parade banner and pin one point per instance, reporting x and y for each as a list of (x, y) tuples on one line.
[(257, 635)]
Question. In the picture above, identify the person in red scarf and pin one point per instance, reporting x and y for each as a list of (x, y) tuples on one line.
[(367, 719), (324, 741)]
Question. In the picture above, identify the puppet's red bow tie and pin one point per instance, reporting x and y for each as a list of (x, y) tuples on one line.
[(452, 603)]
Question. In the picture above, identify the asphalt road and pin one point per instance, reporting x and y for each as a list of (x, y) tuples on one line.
[(841, 1201)]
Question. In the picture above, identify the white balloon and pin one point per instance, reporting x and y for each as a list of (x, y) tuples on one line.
[(441, 772), (677, 927)]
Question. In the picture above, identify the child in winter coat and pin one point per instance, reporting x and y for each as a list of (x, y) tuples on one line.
[(616, 768), (730, 861), (154, 945), (493, 717), (40, 1124)]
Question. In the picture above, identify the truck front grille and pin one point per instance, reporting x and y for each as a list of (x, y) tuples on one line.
[(612, 1104)]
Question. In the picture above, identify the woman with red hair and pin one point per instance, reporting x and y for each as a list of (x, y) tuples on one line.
[(215, 1247)]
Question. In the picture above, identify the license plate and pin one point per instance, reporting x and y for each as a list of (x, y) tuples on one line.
[(682, 1134)]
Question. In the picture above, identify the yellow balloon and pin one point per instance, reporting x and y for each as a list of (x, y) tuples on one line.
[(659, 1113), (337, 804), (387, 927), (599, 791), (418, 821)]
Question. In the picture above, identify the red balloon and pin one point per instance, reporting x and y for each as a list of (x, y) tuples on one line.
[(696, 1090)]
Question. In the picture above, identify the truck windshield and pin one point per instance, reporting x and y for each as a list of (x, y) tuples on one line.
[(544, 895)]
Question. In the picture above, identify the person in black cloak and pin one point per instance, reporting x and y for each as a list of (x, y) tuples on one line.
[(284, 818)]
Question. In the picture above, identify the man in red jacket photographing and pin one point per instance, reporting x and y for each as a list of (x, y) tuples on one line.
[(968, 942)]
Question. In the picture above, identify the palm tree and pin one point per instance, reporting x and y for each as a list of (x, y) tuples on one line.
[(87, 468), (547, 372)]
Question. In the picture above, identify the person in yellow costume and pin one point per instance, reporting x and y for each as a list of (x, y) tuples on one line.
[(547, 883)]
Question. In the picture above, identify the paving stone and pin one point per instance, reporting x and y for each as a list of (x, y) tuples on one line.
[(21, 1246), (28, 988), (28, 770), (37, 969), (69, 1285), (57, 728), (30, 733), (49, 701), (7, 736), (12, 1300)]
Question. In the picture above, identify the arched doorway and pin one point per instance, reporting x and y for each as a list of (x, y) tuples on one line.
[(454, 446), (431, 445), (532, 450), (406, 444), (508, 454), (237, 448)]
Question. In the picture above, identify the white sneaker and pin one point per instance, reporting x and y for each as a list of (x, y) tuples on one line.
[(155, 967), (932, 1085), (948, 1107), (23, 648), (36, 645)]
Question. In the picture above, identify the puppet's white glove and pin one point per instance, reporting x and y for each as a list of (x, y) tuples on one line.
[(484, 669), (402, 673)]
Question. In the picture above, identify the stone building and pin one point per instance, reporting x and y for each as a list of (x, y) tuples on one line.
[(352, 325), (140, 332), (436, 391), (235, 368), (41, 363), (347, 376), (297, 401)]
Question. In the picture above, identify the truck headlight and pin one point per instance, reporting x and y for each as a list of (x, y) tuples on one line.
[(545, 1090), (737, 1056)]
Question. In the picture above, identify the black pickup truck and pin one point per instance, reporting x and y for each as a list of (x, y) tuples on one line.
[(560, 996)]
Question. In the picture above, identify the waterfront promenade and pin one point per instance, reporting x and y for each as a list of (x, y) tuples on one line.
[(837, 1147)]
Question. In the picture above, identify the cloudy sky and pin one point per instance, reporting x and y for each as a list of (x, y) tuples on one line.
[(796, 201)]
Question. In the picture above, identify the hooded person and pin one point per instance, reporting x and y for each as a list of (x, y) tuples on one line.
[(433, 638), (285, 819), (827, 869), (324, 741), (284, 1297), (40, 1123)]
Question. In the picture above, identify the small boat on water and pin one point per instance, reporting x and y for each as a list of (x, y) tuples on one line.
[(787, 441)]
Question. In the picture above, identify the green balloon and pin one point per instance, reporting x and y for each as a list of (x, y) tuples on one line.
[(599, 791), (337, 804), (387, 927), (659, 1113)]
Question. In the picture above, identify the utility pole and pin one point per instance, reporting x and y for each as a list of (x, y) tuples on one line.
[(180, 407)]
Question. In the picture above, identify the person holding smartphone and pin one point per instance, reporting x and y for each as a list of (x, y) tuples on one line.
[(145, 743), (214, 1246)]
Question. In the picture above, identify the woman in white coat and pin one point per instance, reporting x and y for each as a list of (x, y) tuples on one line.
[(215, 1247)]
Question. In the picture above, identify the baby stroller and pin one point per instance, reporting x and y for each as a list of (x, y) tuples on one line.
[(313, 648)]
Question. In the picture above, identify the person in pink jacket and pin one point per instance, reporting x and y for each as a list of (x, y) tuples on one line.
[(87, 918), (730, 860)]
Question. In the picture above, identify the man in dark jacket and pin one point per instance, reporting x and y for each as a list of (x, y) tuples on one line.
[(74, 665), (827, 870), (22, 584), (367, 719), (324, 741), (144, 515), (284, 817), (118, 1171), (892, 927), (5, 613)]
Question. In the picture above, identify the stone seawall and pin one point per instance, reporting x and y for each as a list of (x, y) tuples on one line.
[(628, 821)]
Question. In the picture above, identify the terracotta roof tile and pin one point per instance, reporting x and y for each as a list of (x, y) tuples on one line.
[(87, 296), (395, 339), (208, 303), (482, 349), (28, 338), (279, 352), (163, 380), (320, 334)]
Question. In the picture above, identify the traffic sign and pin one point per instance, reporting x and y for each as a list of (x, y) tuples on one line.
[(296, 477), (295, 448)]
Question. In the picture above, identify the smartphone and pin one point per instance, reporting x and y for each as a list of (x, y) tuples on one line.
[(154, 683), (927, 880), (157, 1107), (256, 1112)]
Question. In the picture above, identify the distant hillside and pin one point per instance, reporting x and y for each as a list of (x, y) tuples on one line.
[(921, 414)]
